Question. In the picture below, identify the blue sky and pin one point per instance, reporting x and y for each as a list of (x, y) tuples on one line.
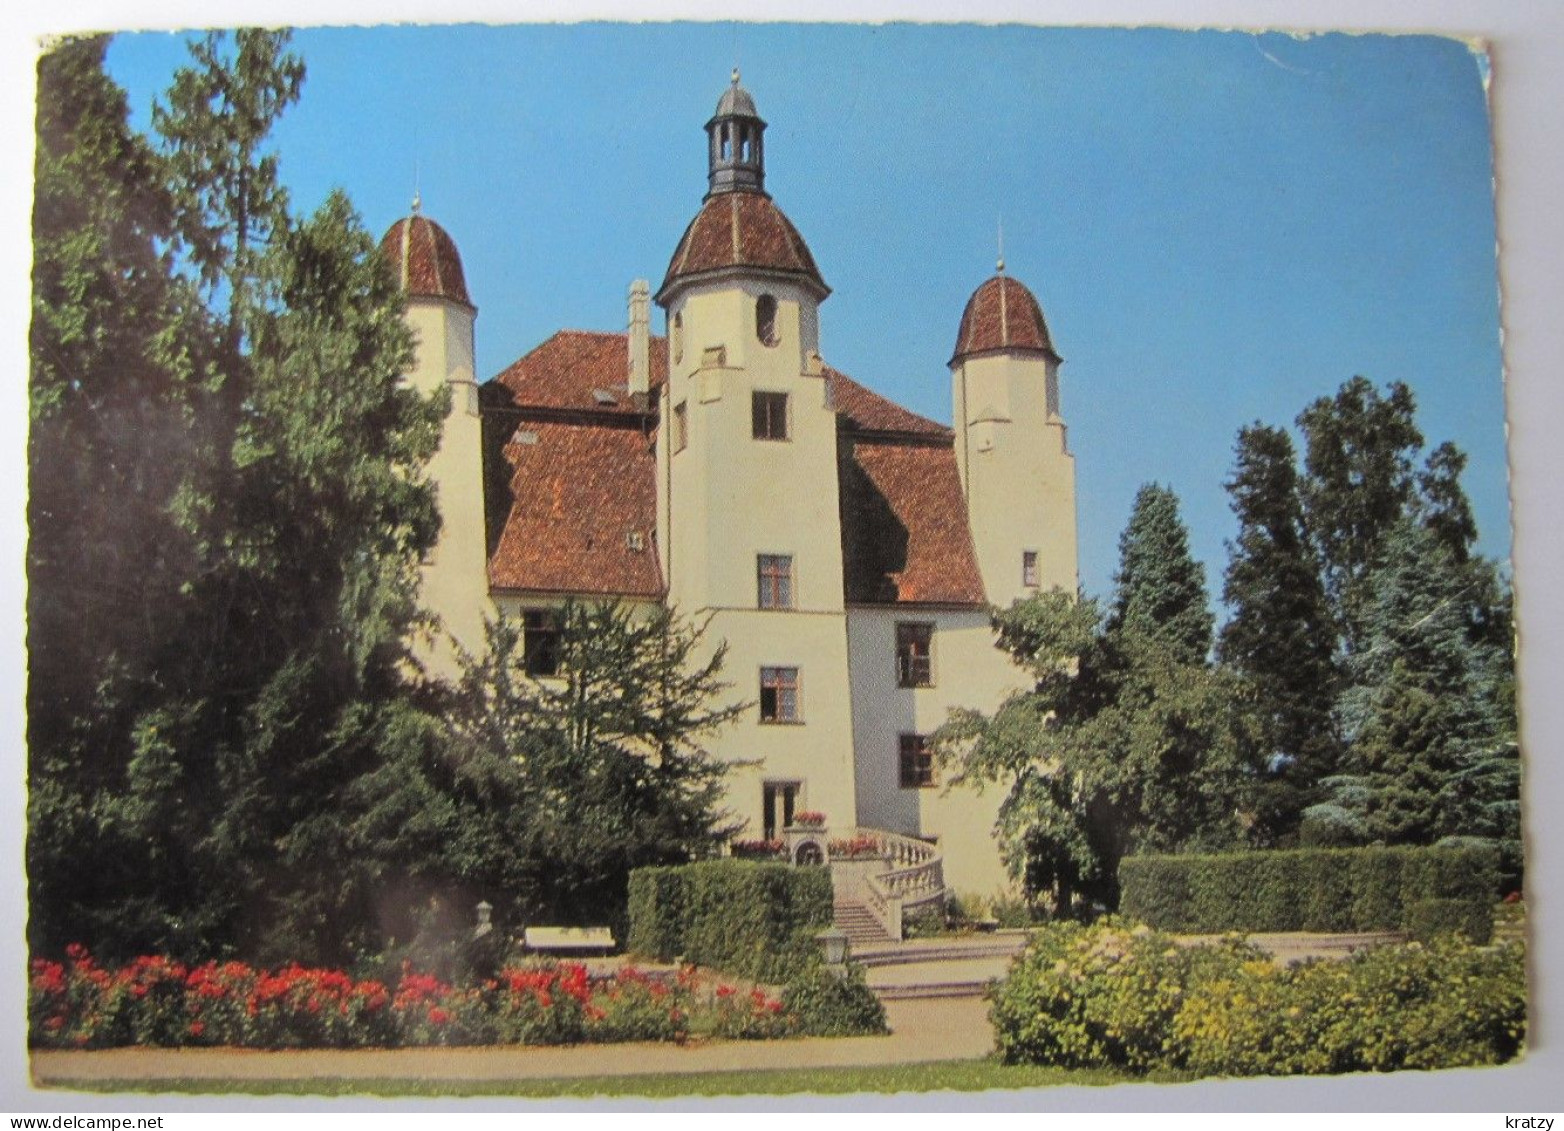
[(1220, 226)]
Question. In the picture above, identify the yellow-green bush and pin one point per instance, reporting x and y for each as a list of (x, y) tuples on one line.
[(1108, 996)]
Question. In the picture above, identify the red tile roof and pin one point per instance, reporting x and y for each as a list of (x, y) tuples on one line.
[(569, 370), (424, 259), (865, 410), (560, 506), (741, 229), (578, 501), (1002, 315), (905, 538)]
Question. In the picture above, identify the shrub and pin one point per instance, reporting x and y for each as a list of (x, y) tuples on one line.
[(833, 1003), (1013, 911), (1350, 889), (923, 921), (1429, 918), (1376, 889), (1107, 997), (1087, 997), (758, 849), (751, 920), (658, 913)]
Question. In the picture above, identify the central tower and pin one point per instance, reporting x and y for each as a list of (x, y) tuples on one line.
[(749, 524)]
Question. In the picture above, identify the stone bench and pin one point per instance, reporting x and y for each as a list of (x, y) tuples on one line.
[(569, 940)]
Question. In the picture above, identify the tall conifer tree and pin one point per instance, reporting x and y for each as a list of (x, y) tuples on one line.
[(1161, 594), (1359, 454), (1422, 712), (117, 345), (1280, 635), (272, 514)]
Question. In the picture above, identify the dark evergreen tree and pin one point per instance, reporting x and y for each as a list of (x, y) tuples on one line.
[(1445, 509), (1360, 451), (1280, 636), (1161, 589), (1422, 713), (542, 795), (116, 350), (278, 493)]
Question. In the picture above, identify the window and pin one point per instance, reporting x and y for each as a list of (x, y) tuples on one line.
[(766, 320), (678, 336), (681, 426), (917, 762), (779, 695), (770, 416), (541, 641), (776, 581), (1029, 568), (914, 655)]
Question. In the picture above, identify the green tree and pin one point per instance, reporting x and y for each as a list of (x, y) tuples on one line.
[(1128, 740), (1161, 589), (1280, 636), (1360, 450), (271, 522), (118, 346), (1423, 715), (542, 794)]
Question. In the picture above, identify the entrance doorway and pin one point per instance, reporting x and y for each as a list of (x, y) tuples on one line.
[(778, 800)]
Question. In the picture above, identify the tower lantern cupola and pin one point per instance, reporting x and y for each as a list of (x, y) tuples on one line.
[(736, 155)]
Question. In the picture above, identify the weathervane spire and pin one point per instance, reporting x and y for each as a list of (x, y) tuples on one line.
[(1000, 266)]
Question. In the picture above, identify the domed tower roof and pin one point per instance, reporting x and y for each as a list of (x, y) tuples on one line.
[(424, 259), (742, 231), (736, 101), (739, 228), (1002, 315)]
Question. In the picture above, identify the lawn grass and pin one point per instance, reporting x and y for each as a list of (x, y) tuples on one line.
[(939, 1076)]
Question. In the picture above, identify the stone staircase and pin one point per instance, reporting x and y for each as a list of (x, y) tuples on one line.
[(860, 926)]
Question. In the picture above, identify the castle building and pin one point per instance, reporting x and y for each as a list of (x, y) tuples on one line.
[(846, 549)]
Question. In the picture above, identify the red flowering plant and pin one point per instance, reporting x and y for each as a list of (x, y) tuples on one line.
[(428, 1011), (79, 1004), (152, 1000), (642, 1006), (300, 1007), (544, 1004), (755, 1015), (860, 847), (758, 849), (808, 819), (218, 997)]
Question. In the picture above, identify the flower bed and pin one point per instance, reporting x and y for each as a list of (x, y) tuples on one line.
[(156, 1001), (858, 847), (758, 849)]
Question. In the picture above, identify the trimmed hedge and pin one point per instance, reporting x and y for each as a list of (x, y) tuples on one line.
[(1315, 889), (747, 919)]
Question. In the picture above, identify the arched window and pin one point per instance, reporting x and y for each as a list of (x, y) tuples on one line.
[(766, 320), (678, 337)]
